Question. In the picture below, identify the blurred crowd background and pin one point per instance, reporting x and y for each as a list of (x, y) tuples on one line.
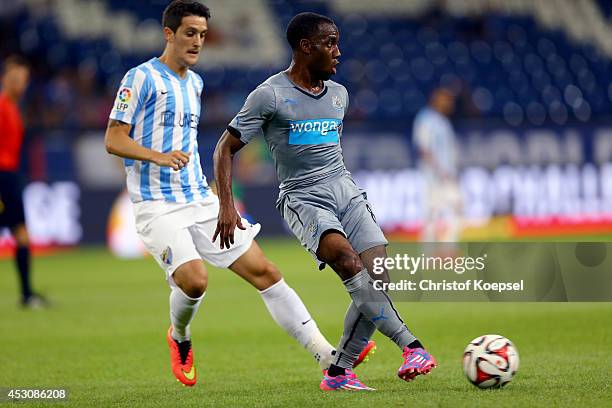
[(531, 78)]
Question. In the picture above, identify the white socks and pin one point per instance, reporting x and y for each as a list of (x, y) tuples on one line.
[(284, 305), (289, 312), (182, 310), (321, 350)]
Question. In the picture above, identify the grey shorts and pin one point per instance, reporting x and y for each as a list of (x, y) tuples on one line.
[(334, 205)]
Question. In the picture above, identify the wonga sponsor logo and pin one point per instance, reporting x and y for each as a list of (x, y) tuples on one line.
[(314, 131)]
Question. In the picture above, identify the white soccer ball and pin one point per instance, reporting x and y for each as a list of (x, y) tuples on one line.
[(490, 361)]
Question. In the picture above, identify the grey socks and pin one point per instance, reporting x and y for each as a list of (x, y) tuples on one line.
[(370, 307), (357, 332)]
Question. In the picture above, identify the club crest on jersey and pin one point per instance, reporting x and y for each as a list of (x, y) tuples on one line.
[(166, 256), (337, 102), (123, 99)]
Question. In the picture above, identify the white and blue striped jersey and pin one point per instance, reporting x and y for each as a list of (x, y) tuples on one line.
[(433, 133), (164, 111)]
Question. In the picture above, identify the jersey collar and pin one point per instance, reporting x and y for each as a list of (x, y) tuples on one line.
[(305, 92), (163, 67)]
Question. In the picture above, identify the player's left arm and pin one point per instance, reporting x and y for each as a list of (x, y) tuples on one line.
[(228, 218)]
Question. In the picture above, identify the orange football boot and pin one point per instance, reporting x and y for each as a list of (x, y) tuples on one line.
[(365, 354), (183, 370)]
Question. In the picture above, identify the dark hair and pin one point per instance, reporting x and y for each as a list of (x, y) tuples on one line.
[(305, 26), (177, 9), (14, 60)]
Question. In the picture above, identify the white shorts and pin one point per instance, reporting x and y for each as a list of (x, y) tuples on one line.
[(176, 233)]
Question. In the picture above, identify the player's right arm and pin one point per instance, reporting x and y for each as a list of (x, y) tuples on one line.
[(133, 94), (228, 218), (259, 108), (117, 141)]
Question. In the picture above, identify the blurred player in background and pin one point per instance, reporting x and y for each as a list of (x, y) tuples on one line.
[(15, 80), (435, 140), (153, 125), (299, 113)]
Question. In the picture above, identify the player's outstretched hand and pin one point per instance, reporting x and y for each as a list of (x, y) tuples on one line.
[(175, 159), (227, 222)]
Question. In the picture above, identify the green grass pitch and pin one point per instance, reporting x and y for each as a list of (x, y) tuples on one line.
[(104, 340)]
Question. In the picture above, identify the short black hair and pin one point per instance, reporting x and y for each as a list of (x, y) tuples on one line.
[(177, 9), (305, 26), (14, 60)]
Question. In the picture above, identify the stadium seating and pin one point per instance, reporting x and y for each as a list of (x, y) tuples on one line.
[(516, 61)]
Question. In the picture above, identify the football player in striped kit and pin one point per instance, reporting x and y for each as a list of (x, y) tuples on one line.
[(153, 126), (436, 142)]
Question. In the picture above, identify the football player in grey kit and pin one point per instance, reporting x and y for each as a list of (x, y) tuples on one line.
[(299, 113)]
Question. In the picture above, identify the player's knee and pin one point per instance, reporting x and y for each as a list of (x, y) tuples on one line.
[(196, 286), (264, 269), (346, 263), (192, 279), (267, 275), (272, 272)]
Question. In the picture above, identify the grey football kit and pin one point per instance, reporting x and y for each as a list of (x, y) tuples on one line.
[(317, 193), (303, 133)]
